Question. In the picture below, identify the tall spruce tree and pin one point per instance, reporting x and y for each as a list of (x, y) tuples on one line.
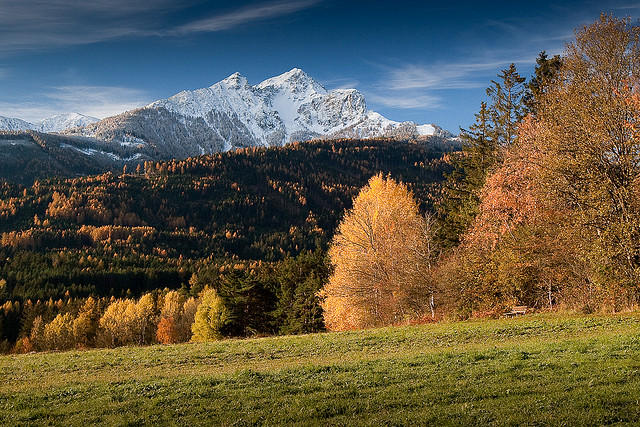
[(461, 201), (547, 69), (507, 106), (493, 131)]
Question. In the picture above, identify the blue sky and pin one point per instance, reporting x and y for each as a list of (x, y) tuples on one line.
[(425, 61)]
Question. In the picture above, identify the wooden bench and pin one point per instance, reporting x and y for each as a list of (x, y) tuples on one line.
[(519, 310)]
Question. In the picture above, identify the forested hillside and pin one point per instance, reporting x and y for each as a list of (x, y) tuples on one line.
[(173, 224), (26, 156)]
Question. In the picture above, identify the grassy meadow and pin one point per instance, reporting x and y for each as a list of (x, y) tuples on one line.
[(533, 370)]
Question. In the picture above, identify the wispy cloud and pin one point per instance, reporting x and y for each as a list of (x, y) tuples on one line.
[(341, 83), (623, 6), (243, 16), (444, 76), (422, 86), (32, 24), (96, 101)]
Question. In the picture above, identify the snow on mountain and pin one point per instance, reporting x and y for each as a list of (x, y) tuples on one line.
[(234, 114), (7, 123), (64, 121), (56, 123)]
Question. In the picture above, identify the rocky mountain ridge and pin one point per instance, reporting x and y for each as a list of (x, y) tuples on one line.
[(234, 114)]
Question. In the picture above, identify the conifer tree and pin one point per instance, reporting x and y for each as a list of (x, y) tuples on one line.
[(506, 108), (546, 71), (494, 130), (463, 185)]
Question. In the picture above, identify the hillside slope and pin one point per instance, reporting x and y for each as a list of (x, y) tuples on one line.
[(27, 156), (537, 370), (155, 226)]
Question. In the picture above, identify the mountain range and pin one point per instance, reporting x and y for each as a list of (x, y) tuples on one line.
[(56, 123), (228, 115)]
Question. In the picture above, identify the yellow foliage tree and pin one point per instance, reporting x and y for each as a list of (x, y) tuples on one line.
[(210, 318), (114, 324), (58, 335), (85, 326), (381, 257)]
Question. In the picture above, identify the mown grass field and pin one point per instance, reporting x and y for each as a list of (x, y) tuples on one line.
[(534, 370)]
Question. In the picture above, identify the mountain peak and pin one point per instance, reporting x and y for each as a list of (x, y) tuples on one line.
[(294, 80), (234, 114), (295, 73), (236, 80)]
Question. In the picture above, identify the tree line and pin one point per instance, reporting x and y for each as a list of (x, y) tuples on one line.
[(541, 208), (240, 299)]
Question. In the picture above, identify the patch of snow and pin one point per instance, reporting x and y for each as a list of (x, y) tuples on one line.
[(426, 130), (92, 152), (129, 141), (12, 124), (60, 122)]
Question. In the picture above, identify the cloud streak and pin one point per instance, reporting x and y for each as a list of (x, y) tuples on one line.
[(405, 100), (413, 86), (37, 24), (244, 16)]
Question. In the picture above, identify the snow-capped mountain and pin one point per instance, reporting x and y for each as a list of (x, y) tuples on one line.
[(7, 123), (56, 123), (234, 114), (60, 122)]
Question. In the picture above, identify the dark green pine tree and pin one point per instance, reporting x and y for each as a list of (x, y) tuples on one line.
[(507, 107), (298, 310), (546, 71), (462, 187), (495, 129)]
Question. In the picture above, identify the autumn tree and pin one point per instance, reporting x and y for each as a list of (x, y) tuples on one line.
[(142, 320), (37, 334), (115, 329), (58, 334), (559, 220), (85, 325), (521, 249), (211, 317), (176, 317), (380, 255), (589, 135)]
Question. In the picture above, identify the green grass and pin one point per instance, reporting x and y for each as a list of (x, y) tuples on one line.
[(534, 370)]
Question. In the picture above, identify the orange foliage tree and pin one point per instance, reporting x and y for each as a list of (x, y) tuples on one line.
[(560, 219), (381, 258)]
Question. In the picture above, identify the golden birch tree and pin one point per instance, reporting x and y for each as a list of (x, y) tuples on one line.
[(380, 255)]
